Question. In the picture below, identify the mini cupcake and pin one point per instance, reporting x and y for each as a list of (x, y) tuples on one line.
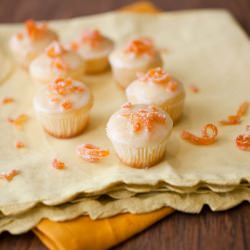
[(28, 44), (63, 107), (139, 134), (138, 55), (94, 48), (158, 88), (56, 61)]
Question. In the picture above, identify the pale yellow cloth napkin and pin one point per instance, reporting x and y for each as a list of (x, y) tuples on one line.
[(84, 233)]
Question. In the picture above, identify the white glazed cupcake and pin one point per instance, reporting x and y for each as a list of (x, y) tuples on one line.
[(156, 87), (29, 43), (138, 55), (94, 48), (139, 134), (56, 61), (63, 107)]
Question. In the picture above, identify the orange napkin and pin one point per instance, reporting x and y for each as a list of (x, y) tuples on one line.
[(84, 233)]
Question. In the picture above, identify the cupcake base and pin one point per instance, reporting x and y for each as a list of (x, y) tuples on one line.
[(65, 125), (140, 157), (96, 66), (175, 109)]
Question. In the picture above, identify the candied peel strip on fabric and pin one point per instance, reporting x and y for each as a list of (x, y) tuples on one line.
[(205, 138), (236, 119), (243, 140), (91, 153)]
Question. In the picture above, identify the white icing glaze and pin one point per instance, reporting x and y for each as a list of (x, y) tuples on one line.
[(149, 92), (102, 49), (119, 129), (41, 68), (42, 101), (26, 49), (120, 59)]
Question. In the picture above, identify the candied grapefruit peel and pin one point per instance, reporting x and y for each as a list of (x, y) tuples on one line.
[(19, 144), (35, 30), (8, 176), (140, 46), (194, 88), (236, 119), (208, 135), (143, 118), (19, 121), (91, 153), (92, 37), (55, 52), (7, 100), (57, 164), (159, 76), (60, 88), (243, 140)]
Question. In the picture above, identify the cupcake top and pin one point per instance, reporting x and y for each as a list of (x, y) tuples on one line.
[(154, 87), (92, 44), (136, 52), (139, 125), (63, 95), (35, 37), (56, 60)]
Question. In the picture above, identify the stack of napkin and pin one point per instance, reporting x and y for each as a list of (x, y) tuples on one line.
[(199, 48)]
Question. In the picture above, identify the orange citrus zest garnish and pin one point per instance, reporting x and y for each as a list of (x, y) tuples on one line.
[(59, 64), (194, 89), (34, 30), (243, 140), (10, 175), (140, 46), (242, 109), (236, 119), (159, 76), (91, 153), (58, 164), (205, 138), (92, 37), (19, 120), (67, 105), (19, 36), (62, 86), (127, 105), (143, 118), (74, 45), (7, 100), (19, 144), (55, 49)]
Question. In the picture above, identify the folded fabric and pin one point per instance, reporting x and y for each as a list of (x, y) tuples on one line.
[(84, 233)]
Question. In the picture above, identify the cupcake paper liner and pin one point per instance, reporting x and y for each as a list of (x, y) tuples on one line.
[(140, 157), (64, 125)]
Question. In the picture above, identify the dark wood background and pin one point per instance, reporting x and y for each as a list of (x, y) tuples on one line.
[(228, 230)]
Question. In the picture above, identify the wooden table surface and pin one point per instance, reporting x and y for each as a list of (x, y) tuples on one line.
[(228, 230)]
